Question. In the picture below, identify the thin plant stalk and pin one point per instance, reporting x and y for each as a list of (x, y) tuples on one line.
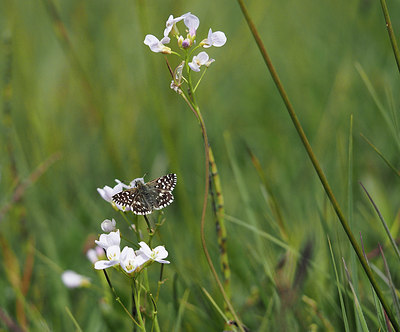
[(119, 300), (219, 211), (392, 241), (392, 36), (316, 165), (196, 110)]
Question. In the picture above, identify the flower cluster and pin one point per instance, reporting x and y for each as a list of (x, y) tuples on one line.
[(192, 23), (131, 261)]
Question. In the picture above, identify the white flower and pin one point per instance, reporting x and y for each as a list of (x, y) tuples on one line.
[(157, 254), (156, 45), (199, 60), (129, 261), (171, 24), (94, 254), (107, 193), (216, 39), (108, 225), (192, 22), (107, 240), (113, 254), (72, 279)]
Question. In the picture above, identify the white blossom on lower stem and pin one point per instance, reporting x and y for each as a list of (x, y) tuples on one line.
[(157, 46), (157, 254), (216, 39), (130, 261), (108, 240), (71, 279), (113, 254), (199, 60)]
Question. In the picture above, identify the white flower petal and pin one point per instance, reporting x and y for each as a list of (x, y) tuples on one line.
[(170, 23), (192, 22), (193, 66), (71, 279), (144, 248), (91, 254), (107, 240), (113, 253), (202, 58), (218, 39), (101, 265)]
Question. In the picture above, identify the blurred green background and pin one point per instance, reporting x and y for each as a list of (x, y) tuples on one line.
[(100, 105)]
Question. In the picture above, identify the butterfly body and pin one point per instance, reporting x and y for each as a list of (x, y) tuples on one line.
[(143, 198)]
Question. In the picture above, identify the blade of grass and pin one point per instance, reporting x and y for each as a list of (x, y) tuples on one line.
[(378, 306), (76, 324), (359, 312), (215, 305), (392, 241), (272, 201), (181, 310), (342, 306), (381, 155), (391, 285), (391, 33), (316, 164), (378, 103), (353, 259)]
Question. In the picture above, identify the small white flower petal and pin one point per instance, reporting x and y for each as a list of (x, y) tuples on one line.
[(144, 248), (194, 66), (192, 22), (202, 58), (91, 254), (157, 254), (113, 253), (216, 39), (199, 60), (101, 265), (128, 260), (156, 45), (107, 192), (71, 279), (107, 240), (170, 23)]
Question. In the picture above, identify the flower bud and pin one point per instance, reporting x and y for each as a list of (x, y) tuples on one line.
[(108, 225)]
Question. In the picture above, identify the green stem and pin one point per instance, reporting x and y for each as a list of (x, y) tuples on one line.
[(316, 165), (222, 236), (197, 113), (136, 292), (118, 299), (391, 33)]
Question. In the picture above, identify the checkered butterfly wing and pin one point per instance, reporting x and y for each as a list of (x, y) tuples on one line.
[(144, 198), (132, 198), (162, 188)]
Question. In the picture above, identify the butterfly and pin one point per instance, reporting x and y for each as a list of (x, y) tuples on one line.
[(143, 198)]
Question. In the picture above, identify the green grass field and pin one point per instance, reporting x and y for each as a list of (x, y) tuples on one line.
[(85, 102)]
